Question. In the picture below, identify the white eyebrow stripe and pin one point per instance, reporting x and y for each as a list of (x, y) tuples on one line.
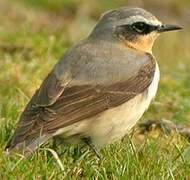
[(134, 19)]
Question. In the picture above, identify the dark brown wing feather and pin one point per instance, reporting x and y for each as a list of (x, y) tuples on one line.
[(75, 104)]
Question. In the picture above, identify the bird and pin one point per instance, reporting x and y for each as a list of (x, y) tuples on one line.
[(101, 87)]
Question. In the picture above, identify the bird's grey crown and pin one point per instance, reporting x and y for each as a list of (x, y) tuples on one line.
[(127, 12), (122, 16)]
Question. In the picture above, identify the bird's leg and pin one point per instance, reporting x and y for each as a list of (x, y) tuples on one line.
[(88, 141)]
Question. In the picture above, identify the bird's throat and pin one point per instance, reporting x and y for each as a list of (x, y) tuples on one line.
[(145, 46)]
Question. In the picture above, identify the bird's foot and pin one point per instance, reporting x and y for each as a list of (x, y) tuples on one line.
[(88, 141)]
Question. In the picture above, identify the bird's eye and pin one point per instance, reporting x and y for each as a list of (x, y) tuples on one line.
[(140, 27)]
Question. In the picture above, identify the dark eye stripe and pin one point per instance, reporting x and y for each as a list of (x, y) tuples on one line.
[(143, 28), (129, 32)]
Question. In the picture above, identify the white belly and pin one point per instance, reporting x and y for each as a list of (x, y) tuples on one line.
[(116, 122)]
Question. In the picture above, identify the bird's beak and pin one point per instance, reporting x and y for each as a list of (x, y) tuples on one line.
[(168, 27)]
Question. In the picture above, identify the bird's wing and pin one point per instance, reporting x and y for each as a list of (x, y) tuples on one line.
[(56, 104)]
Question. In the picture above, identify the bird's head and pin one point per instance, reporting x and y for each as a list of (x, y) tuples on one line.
[(133, 27)]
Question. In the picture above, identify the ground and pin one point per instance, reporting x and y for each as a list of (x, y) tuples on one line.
[(33, 37)]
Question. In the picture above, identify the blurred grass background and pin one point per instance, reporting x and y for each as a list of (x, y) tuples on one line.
[(34, 34)]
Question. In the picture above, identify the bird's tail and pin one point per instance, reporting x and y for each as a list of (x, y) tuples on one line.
[(26, 148)]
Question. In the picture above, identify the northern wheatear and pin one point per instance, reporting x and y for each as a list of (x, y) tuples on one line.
[(101, 87)]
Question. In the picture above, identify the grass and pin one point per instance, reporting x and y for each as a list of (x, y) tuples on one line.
[(32, 39)]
